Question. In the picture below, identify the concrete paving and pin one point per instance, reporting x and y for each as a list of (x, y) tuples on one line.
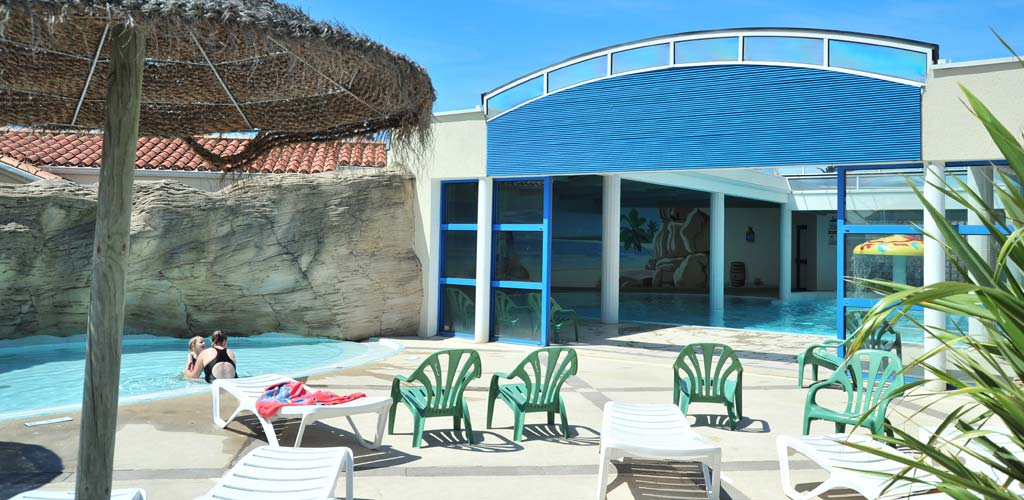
[(172, 449)]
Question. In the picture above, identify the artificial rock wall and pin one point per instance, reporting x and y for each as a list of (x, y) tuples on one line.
[(325, 254)]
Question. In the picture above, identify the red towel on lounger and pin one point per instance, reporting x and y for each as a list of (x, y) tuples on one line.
[(296, 394)]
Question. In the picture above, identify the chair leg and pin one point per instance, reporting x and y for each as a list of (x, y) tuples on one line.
[(469, 423), (807, 426), (715, 485), (800, 372), (602, 476), (268, 429), (491, 396), (520, 419), (306, 420), (551, 418), (565, 419), (733, 419), (814, 371), (417, 430), (348, 463), (391, 417), (456, 423), (840, 427), (576, 330)]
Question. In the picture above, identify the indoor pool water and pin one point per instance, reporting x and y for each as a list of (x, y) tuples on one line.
[(813, 315), (44, 374)]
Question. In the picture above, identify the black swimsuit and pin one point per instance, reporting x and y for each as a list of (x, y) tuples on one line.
[(222, 356)]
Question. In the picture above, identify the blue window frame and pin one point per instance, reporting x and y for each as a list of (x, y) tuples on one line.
[(520, 299), (456, 288)]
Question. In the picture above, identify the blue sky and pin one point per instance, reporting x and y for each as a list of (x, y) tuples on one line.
[(471, 47)]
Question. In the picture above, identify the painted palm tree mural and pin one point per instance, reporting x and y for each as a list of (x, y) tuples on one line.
[(636, 230)]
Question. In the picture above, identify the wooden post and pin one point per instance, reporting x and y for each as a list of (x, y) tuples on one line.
[(109, 266)]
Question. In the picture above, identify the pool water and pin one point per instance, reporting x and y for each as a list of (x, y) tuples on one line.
[(44, 374), (811, 315)]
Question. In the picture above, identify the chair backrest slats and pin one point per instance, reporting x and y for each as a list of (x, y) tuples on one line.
[(445, 375), (707, 370), (543, 378)]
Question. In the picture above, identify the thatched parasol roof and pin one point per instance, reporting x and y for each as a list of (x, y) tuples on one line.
[(211, 66)]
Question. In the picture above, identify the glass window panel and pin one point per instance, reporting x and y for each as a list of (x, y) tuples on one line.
[(880, 265), (878, 59), (576, 73), (812, 183), (458, 309), (519, 202), (707, 50), (514, 96), (640, 58), (874, 197), (783, 49), (516, 314), (518, 255), (459, 202), (459, 254)]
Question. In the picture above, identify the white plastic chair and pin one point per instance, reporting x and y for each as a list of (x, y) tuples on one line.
[(847, 467), (654, 431), (248, 390), (125, 494), (269, 472)]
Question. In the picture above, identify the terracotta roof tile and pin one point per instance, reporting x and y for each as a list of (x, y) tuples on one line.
[(85, 150), (25, 167)]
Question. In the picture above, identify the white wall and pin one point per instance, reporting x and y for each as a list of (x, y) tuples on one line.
[(949, 130), (458, 151), (762, 256)]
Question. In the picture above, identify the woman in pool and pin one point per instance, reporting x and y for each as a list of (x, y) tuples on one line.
[(195, 347), (217, 361)]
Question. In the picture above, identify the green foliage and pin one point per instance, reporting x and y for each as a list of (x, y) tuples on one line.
[(988, 396)]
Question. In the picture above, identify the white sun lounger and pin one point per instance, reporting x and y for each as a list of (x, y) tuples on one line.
[(247, 390), (845, 465), (654, 431), (285, 473), (127, 494)]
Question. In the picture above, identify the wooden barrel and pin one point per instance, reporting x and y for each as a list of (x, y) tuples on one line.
[(737, 274)]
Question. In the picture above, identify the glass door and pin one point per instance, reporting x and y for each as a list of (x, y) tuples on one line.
[(521, 261), (457, 269)]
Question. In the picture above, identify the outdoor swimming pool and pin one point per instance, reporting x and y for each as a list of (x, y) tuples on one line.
[(44, 374), (812, 315)]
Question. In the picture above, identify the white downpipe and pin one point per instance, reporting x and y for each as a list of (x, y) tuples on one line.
[(785, 250), (482, 315), (980, 178), (610, 216), (934, 267), (716, 281)]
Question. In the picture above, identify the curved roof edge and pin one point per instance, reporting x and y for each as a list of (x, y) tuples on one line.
[(932, 47)]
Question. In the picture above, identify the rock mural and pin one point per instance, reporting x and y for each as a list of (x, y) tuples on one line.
[(681, 249), (325, 254)]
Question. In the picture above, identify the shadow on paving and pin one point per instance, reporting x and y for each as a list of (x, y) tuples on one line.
[(26, 467), (746, 424), (647, 479)]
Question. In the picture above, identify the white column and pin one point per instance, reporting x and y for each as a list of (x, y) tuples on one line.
[(716, 262), (934, 266), (482, 315), (785, 250), (432, 286), (980, 180), (611, 213)]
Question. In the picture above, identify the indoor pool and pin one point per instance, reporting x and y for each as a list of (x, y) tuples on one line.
[(813, 315), (43, 374)]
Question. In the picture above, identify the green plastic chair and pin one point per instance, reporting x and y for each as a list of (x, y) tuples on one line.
[(884, 338), (443, 378), (558, 316), (540, 389), (870, 378), (462, 307), (713, 375)]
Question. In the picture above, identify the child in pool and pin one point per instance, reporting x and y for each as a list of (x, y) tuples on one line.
[(195, 346)]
